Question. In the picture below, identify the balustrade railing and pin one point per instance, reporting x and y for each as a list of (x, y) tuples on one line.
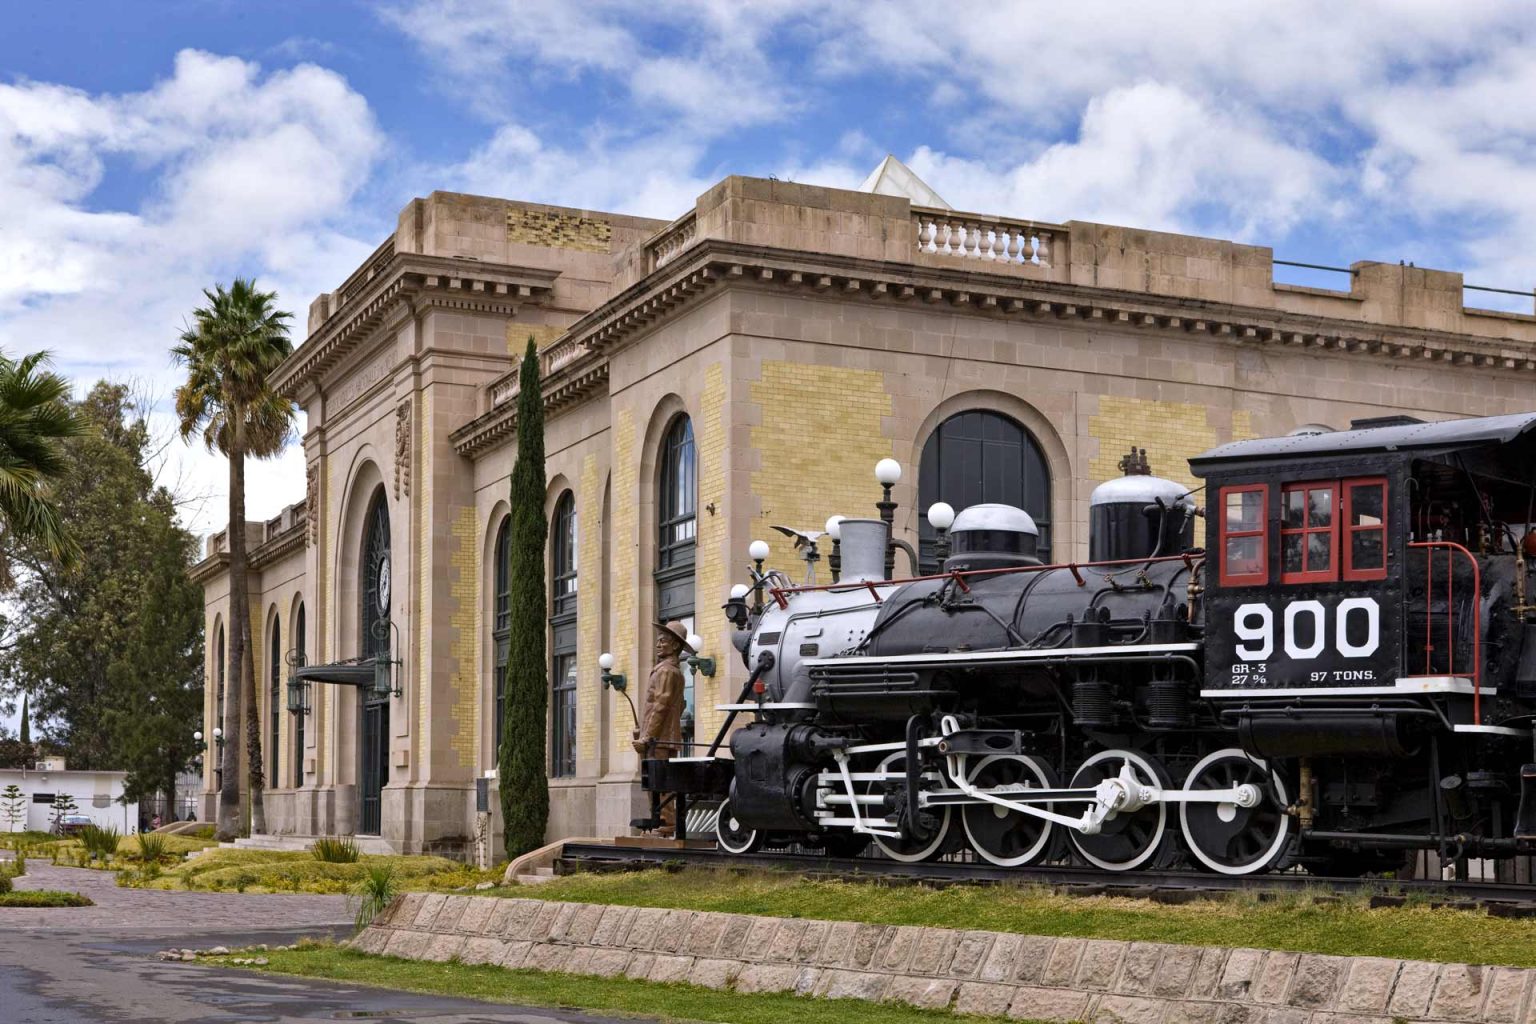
[(995, 239), (673, 240)]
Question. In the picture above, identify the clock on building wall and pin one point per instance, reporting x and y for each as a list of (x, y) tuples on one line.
[(383, 585)]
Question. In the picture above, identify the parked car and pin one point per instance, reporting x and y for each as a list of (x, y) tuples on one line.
[(72, 824)]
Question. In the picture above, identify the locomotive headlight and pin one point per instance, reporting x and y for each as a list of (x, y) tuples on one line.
[(888, 472), (736, 608), (835, 527), (941, 515)]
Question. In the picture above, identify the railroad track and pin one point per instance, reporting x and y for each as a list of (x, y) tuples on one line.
[(1501, 899)]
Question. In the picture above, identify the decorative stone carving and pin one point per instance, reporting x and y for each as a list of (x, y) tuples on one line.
[(312, 501), (403, 449)]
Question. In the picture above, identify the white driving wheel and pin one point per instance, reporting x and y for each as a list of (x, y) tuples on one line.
[(1001, 835), (910, 851), (1127, 840), (1229, 839)]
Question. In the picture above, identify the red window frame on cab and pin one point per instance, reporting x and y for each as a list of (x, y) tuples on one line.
[(1339, 531), (1254, 576), (1350, 530), (1306, 531)]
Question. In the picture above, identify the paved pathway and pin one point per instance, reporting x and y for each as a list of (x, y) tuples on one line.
[(96, 964)]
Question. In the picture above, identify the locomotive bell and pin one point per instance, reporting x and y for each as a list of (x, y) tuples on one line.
[(1139, 515), (992, 536)]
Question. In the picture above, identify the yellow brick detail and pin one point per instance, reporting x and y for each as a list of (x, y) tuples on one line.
[(1242, 425), (712, 556), (626, 471), (589, 610), (542, 335), (820, 437), (464, 632), (1171, 432), (557, 230)]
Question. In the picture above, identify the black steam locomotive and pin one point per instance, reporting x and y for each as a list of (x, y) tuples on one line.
[(1344, 674)]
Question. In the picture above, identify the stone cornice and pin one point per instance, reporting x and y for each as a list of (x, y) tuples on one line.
[(269, 551), (425, 281), (209, 568), (564, 388)]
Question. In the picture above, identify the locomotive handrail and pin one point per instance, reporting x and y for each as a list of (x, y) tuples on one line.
[(1451, 549), (958, 575)]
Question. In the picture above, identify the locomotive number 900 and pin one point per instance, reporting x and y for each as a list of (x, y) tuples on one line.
[(1305, 632)]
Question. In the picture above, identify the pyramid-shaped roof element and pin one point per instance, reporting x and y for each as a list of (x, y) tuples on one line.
[(894, 178)]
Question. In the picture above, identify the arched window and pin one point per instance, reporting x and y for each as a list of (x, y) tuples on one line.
[(678, 497), (983, 456), (501, 631), (374, 636), (562, 629), (298, 719), (218, 713), (274, 701), (677, 503), (218, 675)]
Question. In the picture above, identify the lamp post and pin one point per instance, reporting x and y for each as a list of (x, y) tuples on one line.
[(941, 516), (834, 528), (758, 552), (888, 472)]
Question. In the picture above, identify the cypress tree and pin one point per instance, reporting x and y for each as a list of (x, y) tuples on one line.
[(520, 761), (26, 722)]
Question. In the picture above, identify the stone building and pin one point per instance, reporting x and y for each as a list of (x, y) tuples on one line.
[(742, 366)]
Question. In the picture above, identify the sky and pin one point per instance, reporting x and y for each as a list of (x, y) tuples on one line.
[(149, 150)]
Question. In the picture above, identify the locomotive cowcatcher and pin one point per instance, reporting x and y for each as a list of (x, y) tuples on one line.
[(1344, 673)]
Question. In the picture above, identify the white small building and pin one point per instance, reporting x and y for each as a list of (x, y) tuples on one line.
[(98, 796)]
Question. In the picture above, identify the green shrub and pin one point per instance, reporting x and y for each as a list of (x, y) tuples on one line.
[(100, 842), (335, 851), (5, 883), (44, 898), (152, 848), (374, 891)]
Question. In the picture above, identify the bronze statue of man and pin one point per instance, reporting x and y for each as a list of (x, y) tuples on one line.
[(661, 725)]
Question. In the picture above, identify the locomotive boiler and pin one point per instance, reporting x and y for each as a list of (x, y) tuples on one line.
[(1340, 671)]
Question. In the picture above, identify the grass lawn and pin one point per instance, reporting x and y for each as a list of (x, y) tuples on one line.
[(44, 898), (609, 995), (283, 871), (1299, 922)]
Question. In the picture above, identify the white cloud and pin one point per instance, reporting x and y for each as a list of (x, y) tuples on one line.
[(1152, 156), (239, 172)]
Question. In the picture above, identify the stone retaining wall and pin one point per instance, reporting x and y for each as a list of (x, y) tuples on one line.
[(979, 972)]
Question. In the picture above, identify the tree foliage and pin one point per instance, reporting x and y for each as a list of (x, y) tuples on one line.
[(523, 782), (13, 806), (103, 647), (230, 350), (35, 419)]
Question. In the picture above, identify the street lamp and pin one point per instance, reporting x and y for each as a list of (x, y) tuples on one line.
[(941, 516), (888, 472), (758, 552), (702, 665), (834, 527)]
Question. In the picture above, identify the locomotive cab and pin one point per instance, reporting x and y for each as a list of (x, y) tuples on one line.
[(1368, 620)]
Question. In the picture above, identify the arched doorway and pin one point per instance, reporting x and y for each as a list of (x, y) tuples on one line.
[(374, 642), (983, 456)]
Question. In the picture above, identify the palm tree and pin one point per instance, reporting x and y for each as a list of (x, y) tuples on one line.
[(229, 349), (35, 417)]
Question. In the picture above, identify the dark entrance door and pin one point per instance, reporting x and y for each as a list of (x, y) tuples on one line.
[(375, 766), (374, 636)]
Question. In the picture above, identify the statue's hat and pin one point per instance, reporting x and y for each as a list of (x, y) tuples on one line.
[(678, 630)]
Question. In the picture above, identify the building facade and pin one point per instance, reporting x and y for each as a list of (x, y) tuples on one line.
[(741, 367)]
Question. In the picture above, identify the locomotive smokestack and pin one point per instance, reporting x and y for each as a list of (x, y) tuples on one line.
[(863, 544)]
